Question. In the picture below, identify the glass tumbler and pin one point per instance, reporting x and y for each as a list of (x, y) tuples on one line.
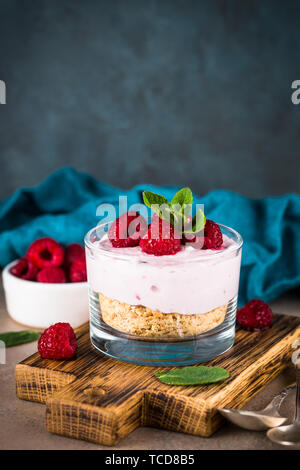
[(162, 310)]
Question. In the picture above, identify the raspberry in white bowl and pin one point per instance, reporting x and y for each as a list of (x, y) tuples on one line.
[(48, 285), (162, 299)]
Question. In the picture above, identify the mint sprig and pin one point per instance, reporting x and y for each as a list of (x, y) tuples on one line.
[(176, 212), (194, 375)]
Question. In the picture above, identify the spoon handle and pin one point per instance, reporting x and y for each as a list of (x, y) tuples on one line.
[(297, 414), (278, 399)]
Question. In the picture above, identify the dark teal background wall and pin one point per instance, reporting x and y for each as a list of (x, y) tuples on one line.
[(170, 92)]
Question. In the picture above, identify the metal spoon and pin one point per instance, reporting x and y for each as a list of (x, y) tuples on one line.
[(261, 420), (289, 435)]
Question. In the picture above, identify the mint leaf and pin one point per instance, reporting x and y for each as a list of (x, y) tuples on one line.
[(197, 224), (158, 204), (194, 375), (183, 197), (14, 338), (181, 206), (177, 212), (151, 199)]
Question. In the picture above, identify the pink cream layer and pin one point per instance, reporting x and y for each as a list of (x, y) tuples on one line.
[(193, 281)]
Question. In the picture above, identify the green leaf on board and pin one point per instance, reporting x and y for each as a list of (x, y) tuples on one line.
[(194, 375)]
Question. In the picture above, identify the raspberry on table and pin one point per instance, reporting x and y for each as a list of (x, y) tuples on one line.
[(45, 252), (161, 238), (213, 238), (24, 269), (127, 230), (73, 252), (77, 271), (52, 275), (256, 315), (58, 342)]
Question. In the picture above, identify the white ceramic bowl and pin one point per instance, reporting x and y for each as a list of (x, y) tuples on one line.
[(39, 305)]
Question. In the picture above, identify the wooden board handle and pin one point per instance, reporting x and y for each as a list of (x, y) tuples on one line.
[(97, 410)]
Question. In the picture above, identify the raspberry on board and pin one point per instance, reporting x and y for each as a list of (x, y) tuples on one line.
[(256, 315), (58, 342)]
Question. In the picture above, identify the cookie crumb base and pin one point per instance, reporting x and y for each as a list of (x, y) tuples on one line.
[(142, 321)]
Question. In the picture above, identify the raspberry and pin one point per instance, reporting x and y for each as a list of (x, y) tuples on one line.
[(58, 342), (196, 239), (52, 275), (256, 315), (213, 238), (188, 238), (73, 252), (77, 272), (161, 239), (127, 230), (45, 252), (24, 270)]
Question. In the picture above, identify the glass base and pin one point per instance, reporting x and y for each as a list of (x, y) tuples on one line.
[(166, 352)]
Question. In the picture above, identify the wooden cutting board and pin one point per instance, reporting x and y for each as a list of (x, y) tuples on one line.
[(98, 399)]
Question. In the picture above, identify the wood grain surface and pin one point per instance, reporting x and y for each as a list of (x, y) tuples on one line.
[(98, 399)]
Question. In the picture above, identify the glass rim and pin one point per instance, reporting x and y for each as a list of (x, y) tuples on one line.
[(213, 254)]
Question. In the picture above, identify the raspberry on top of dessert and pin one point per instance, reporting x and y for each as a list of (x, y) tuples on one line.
[(171, 227)]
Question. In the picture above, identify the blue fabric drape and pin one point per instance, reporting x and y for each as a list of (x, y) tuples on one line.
[(64, 207)]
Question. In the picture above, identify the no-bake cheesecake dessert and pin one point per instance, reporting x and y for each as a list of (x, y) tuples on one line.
[(176, 277)]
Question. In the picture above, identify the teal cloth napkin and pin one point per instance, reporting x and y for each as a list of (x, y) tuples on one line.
[(64, 207)]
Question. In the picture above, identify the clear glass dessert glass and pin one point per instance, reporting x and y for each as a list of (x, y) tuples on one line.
[(162, 310)]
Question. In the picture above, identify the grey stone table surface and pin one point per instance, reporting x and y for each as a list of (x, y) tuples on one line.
[(22, 424)]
